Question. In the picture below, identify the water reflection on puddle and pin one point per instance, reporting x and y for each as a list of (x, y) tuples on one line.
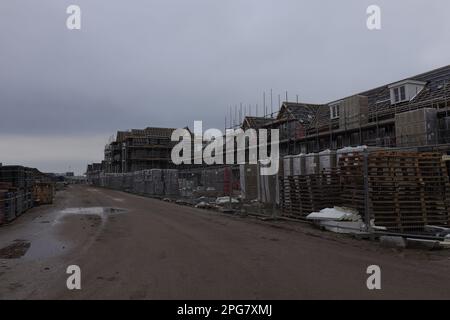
[(93, 210), (43, 239)]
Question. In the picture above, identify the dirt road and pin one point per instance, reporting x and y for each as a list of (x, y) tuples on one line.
[(158, 250)]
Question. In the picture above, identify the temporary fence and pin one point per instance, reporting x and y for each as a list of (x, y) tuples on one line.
[(153, 182), (401, 191)]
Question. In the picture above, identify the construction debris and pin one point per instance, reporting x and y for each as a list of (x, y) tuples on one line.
[(226, 200), (339, 220), (335, 214)]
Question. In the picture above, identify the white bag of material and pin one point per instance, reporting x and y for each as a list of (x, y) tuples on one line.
[(345, 227), (311, 163), (350, 151), (298, 165), (225, 200), (335, 214), (287, 166), (327, 160)]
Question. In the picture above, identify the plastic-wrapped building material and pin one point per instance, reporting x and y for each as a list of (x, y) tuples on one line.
[(158, 181), (298, 165), (138, 182), (4, 197), (288, 166), (149, 188), (171, 187), (20, 203), (7, 206), (327, 160), (312, 163), (128, 182), (268, 188), (186, 187), (248, 180)]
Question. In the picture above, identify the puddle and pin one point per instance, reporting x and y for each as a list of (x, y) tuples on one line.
[(46, 246), (93, 211), (16, 250), (102, 212), (58, 233)]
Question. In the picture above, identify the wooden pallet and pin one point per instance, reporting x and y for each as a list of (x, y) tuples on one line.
[(302, 195), (408, 190)]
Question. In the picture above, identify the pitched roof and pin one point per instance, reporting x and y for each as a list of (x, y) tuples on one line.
[(437, 87), (304, 113), (147, 132), (255, 122)]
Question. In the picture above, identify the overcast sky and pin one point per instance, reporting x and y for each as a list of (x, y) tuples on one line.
[(142, 63)]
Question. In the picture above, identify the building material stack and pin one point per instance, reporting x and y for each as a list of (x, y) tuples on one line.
[(139, 182), (405, 190), (290, 195), (351, 170), (267, 185), (212, 180), (249, 181), (170, 178), (7, 202), (311, 185), (43, 193), (18, 178), (408, 190), (18, 187)]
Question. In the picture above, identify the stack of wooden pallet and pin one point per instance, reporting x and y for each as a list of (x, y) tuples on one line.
[(289, 196), (304, 194), (351, 167), (405, 190), (408, 190)]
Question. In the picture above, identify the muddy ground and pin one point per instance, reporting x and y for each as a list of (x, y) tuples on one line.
[(158, 250)]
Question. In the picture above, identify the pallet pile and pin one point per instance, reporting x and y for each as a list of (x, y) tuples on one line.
[(18, 191), (304, 194), (408, 190), (351, 172), (43, 193), (405, 190), (7, 202), (19, 181)]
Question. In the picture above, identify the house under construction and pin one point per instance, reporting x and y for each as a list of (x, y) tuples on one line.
[(139, 149), (412, 112)]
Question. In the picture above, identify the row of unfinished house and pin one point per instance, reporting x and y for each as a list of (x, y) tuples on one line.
[(321, 147)]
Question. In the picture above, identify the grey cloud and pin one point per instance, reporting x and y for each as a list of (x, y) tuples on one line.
[(170, 62)]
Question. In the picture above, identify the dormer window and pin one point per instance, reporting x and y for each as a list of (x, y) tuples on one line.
[(334, 111), (399, 94), (405, 90)]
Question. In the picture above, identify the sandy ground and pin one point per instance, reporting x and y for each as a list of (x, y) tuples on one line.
[(158, 250)]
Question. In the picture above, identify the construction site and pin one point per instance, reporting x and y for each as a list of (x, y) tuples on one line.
[(224, 155), (362, 182), (375, 163)]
